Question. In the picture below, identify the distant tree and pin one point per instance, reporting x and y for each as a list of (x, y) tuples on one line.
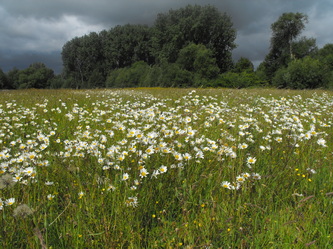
[(13, 78), (286, 29), (325, 56), (82, 56), (172, 75), (205, 25), (284, 32), (243, 64), (306, 73), (57, 82), (326, 50), (125, 45), (153, 76), (37, 75), (304, 47), (199, 60), (4, 82), (128, 77)]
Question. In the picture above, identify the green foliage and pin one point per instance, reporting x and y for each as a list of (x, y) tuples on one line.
[(326, 50), (325, 56), (125, 45), (173, 75), (304, 47), (57, 82), (37, 75), (285, 30), (152, 77), (199, 60), (83, 57), (128, 77), (13, 77), (288, 27), (301, 74), (205, 25), (4, 82), (243, 64), (90, 59), (237, 80)]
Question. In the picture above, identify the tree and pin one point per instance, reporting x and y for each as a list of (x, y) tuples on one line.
[(13, 76), (326, 50), (4, 82), (284, 32), (82, 56), (325, 56), (125, 45), (301, 74), (243, 64), (304, 47), (205, 25), (198, 59), (128, 77), (286, 29), (37, 75)]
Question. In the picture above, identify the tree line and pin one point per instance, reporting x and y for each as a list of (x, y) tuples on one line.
[(187, 47)]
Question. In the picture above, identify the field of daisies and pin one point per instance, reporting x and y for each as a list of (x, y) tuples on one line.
[(166, 168)]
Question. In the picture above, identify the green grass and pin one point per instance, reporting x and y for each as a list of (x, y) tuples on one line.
[(65, 154)]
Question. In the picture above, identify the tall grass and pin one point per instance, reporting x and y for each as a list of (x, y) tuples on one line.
[(166, 168)]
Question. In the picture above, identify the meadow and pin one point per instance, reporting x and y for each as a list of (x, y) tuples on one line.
[(166, 168)]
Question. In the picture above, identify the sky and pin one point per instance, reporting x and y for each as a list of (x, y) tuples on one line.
[(36, 30)]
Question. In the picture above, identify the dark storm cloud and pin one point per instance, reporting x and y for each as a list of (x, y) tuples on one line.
[(34, 30), (23, 60)]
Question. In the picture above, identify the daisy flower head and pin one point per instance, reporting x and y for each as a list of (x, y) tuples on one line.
[(251, 160), (81, 194), (322, 142), (10, 201), (256, 176), (29, 171), (240, 179), (226, 184), (163, 169), (132, 201), (246, 175), (187, 156), (278, 139), (242, 146), (125, 176), (143, 173), (50, 197)]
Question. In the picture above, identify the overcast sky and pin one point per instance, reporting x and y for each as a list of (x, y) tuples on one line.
[(35, 30)]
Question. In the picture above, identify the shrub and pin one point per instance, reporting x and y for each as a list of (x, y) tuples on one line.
[(300, 74)]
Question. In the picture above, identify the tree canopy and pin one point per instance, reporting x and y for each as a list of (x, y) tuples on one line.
[(187, 47), (196, 24), (283, 42), (202, 28)]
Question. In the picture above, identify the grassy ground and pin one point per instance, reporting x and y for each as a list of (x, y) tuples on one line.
[(166, 168)]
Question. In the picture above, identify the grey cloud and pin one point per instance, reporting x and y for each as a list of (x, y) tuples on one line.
[(11, 60)]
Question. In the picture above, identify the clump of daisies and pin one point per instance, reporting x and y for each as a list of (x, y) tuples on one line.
[(240, 179)]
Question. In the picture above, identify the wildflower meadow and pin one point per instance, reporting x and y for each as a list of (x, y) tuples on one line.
[(166, 168)]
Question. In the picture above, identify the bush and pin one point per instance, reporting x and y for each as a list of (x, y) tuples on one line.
[(57, 82), (128, 77), (172, 75), (237, 80), (301, 74)]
